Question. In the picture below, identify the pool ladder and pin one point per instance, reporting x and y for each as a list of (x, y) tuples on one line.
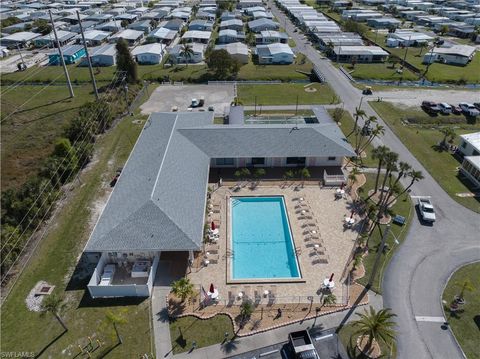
[(229, 253)]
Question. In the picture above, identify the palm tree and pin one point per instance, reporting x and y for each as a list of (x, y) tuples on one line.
[(186, 52), (329, 299), (448, 133), (116, 319), (246, 311), (182, 288), (390, 160), (379, 153), (352, 176), (375, 326), (304, 174), (358, 113), (403, 170), (415, 176), (54, 304), (330, 46), (377, 131)]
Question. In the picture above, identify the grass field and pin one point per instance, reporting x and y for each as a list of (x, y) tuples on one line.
[(184, 331), (54, 261), (190, 73), (286, 94), (403, 206), (437, 72), (379, 71), (29, 134), (422, 141), (465, 323), (346, 125)]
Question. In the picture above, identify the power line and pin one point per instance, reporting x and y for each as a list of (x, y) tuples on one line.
[(30, 99), (47, 212), (89, 126)]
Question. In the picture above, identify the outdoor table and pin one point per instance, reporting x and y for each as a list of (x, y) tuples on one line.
[(214, 294), (313, 232), (240, 295), (207, 262), (302, 199), (316, 246), (339, 193), (266, 292), (349, 220), (215, 231)]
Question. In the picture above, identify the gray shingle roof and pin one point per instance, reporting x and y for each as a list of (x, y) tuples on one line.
[(159, 200)]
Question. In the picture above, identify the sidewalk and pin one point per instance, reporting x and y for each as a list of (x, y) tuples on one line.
[(242, 345)]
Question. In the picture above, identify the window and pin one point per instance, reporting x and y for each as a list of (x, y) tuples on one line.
[(258, 161), (464, 144), (224, 161), (332, 158), (475, 153), (295, 160)]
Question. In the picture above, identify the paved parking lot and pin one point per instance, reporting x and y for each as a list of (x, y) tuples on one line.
[(166, 96), (326, 342)]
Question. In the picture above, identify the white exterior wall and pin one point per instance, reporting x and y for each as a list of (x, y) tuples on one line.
[(122, 290), (468, 150), (149, 58)]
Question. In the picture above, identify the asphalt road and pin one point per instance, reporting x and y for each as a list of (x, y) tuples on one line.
[(415, 279)]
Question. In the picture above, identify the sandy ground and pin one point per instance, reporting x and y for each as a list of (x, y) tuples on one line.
[(166, 96), (411, 98)]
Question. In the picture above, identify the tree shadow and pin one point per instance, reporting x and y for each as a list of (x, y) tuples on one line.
[(50, 344), (353, 307)]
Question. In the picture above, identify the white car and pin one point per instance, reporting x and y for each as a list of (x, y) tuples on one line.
[(445, 108), (469, 109), (426, 210)]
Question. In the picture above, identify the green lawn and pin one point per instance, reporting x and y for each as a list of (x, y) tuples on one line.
[(284, 73), (346, 125), (29, 134), (54, 261), (190, 73), (291, 42), (465, 324), (422, 141), (286, 94), (379, 71), (184, 331), (348, 338), (437, 72), (403, 206)]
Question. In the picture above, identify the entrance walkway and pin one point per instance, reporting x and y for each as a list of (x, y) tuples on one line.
[(171, 267)]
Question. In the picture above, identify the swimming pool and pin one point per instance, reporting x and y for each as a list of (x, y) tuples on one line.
[(261, 239)]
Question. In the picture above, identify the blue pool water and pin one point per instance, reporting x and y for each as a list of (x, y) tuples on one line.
[(261, 239)]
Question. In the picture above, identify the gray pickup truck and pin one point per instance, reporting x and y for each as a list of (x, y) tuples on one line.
[(302, 345)]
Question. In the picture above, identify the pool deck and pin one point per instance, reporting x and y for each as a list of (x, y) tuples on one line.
[(335, 243)]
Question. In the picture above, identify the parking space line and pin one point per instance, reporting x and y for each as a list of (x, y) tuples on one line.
[(323, 337), (430, 319), (268, 353)]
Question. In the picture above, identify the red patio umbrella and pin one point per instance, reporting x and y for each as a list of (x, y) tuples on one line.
[(213, 226), (331, 278), (212, 289)]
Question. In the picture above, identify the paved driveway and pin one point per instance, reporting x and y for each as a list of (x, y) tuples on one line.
[(416, 276), (166, 96)]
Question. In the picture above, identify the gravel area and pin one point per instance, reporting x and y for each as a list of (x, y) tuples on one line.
[(34, 302), (166, 96), (411, 98)]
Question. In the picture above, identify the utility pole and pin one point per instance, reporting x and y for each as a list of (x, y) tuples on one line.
[(406, 50), (60, 52), (92, 76), (21, 56), (377, 259)]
